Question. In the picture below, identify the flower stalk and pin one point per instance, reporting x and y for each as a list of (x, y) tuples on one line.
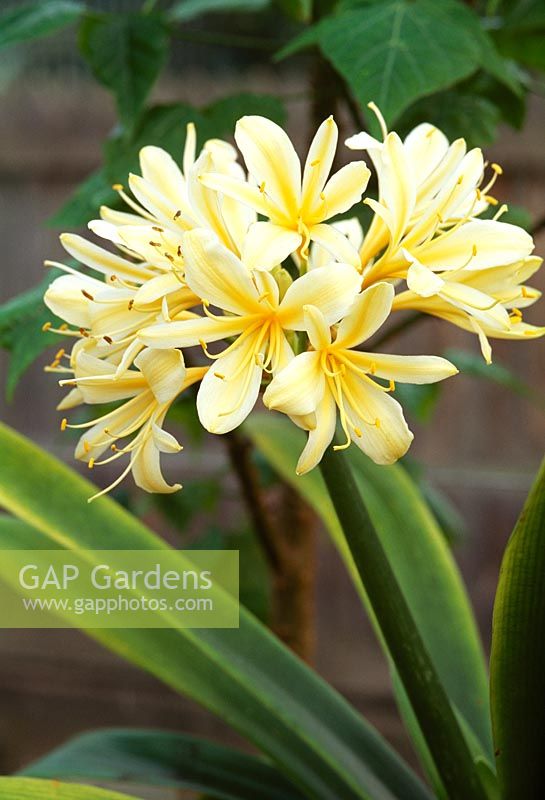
[(429, 700)]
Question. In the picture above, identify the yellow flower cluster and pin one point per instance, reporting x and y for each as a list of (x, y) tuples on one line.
[(250, 258)]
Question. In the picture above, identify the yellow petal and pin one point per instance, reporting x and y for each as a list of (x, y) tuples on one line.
[(190, 332), (331, 289), (343, 190), (101, 260), (164, 372), (476, 245), (238, 189), (334, 241), (65, 298), (266, 245), (317, 328), (405, 369), (159, 169), (397, 186), (216, 275), (146, 469), (320, 436), (158, 204), (425, 146), (223, 403), (318, 164), (271, 160), (369, 312), (298, 388), (385, 436), (421, 280)]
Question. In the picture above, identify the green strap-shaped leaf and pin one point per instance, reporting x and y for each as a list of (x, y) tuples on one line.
[(157, 758), (126, 53), (421, 560), (517, 662), (32, 20), (30, 789), (246, 676)]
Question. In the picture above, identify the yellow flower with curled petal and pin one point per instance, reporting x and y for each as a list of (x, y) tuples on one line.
[(111, 312), (486, 302), (149, 391), (332, 377), (167, 201), (430, 194), (296, 205), (255, 314)]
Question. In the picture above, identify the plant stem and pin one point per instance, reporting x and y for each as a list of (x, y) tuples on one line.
[(239, 449), (288, 541), (416, 669)]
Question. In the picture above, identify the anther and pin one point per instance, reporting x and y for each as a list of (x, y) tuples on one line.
[(262, 187), (219, 375), (60, 353), (108, 339), (86, 446), (156, 228), (84, 333), (497, 169), (130, 304), (155, 244), (358, 432), (178, 214), (87, 295), (91, 463), (377, 423), (117, 187), (64, 424), (46, 326), (392, 386), (315, 162)]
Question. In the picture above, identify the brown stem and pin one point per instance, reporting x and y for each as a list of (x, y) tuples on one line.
[(239, 449), (289, 544), (294, 586)]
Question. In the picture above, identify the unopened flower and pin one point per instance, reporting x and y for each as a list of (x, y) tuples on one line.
[(334, 377)]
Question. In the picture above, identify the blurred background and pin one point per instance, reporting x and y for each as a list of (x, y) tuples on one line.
[(479, 449)]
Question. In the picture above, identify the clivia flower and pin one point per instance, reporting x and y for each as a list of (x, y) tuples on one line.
[(334, 377), (148, 392), (255, 314), (253, 268), (297, 206)]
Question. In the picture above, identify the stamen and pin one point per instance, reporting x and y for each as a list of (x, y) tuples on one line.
[(383, 127), (119, 188)]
